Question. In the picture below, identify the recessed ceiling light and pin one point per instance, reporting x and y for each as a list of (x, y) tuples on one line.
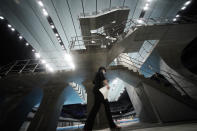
[(72, 65), (52, 26), (68, 58), (45, 12), (1, 17), (40, 3), (33, 50), (50, 69), (93, 41), (9, 26), (56, 34), (93, 31), (20, 37), (12, 29), (177, 15), (37, 55), (43, 61), (27, 44), (147, 4), (107, 37), (174, 19), (188, 2), (146, 8), (183, 8), (113, 22), (140, 21), (47, 65)]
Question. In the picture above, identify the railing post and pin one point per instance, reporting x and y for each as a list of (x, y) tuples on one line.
[(24, 66), (11, 67), (35, 67)]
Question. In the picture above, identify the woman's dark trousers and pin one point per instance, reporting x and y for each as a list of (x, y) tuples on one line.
[(97, 103)]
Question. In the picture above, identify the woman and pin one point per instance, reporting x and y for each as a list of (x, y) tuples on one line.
[(99, 82)]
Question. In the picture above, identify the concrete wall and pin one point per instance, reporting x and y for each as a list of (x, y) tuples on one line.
[(169, 109), (142, 106), (156, 64)]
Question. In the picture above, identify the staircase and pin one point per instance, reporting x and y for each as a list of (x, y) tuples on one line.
[(169, 91)]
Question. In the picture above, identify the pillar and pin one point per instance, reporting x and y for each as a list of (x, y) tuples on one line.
[(143, 107), (46, 118), (15, 110)]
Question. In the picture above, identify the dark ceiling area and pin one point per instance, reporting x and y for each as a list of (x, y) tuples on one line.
[(12, 48)]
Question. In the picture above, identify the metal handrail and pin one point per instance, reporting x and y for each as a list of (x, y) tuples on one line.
[(131, 24), (150, 65), (169, 77), (24, 66)]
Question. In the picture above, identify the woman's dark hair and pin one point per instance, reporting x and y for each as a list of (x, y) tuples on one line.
[(101, 68)]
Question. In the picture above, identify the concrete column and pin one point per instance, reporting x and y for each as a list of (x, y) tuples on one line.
[(101, 119), (16, 107), (46, 118), (143, 107)]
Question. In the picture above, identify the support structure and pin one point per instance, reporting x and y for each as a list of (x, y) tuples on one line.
[(46, 118)]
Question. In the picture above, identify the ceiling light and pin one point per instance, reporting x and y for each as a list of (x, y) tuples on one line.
[(107, 37), (140, 21), (93, 31), (9, 26), (52, 26), (177, 15), (68, 57), (1, 17), (93, 41), (174, 19), (146, 8), (59, 41), (47, 65), (27, 44), (37, 55), (12, 29), (33, 50), (56, 34), (113, 22), (20, 37), (45, 12), (50, 69), (183, 8), (72, 65), (43, 61), (40, 3), (187, 3), (147, 4)]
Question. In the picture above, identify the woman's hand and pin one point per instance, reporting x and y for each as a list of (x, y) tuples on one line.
[(106, 84)]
